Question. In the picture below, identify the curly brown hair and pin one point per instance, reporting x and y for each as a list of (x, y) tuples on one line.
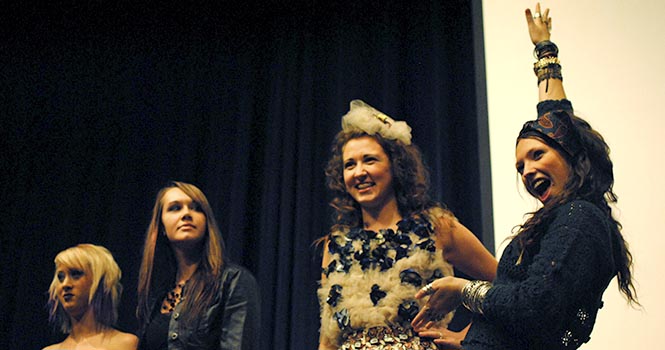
[(591, 179), (410, 179)]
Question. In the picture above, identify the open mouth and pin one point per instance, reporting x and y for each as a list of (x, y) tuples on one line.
[(540, 186)]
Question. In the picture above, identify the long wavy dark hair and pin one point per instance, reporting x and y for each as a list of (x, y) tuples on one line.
[(159, 266), (410, 179), (591, 179)]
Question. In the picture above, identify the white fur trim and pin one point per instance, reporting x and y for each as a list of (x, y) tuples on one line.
[(357, 285)]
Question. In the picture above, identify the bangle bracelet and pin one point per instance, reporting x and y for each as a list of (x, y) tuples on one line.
[(544, 62), (545, 48), (552, 71), (473, 295)]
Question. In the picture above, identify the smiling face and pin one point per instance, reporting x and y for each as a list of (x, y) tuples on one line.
[(367, 173), (544, 170), (73, 290), (182, 218)]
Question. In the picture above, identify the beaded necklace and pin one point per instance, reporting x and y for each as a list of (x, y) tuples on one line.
[(173, 298)]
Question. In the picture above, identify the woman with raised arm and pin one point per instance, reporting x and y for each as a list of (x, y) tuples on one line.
[(83, 300), (389, 239), (551, 277)]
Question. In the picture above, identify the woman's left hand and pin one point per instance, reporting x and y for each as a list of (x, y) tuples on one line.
[(446, 296), (444, 338)]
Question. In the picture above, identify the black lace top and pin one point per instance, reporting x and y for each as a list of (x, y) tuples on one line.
[(550, 299)]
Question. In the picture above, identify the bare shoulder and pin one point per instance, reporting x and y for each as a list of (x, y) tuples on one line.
[(53, 347), (123, 341), (442, 217), (443, 220)]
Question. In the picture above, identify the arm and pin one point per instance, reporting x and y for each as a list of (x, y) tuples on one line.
[(539, 31), (241, 313), (324, 345), (325, 261), (463, 249), (572, 263)]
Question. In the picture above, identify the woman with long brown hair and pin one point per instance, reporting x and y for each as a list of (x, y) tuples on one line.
[(189, 295), (552, 275)]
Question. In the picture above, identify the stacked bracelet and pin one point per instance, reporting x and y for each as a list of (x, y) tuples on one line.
[(552, 71), (545, 48), (544, 62), (473, 295), (548, 65)]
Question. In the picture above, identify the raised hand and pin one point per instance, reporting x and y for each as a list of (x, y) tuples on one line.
[(539, 24)]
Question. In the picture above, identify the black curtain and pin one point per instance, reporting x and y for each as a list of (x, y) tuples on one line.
[(102, 106)]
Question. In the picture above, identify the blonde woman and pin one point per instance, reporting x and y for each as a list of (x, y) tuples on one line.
[(83, 300)]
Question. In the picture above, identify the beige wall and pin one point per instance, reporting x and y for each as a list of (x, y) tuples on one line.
[(613, 59)]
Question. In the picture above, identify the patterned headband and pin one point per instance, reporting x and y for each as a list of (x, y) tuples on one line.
[(555, 127), (365, 118)]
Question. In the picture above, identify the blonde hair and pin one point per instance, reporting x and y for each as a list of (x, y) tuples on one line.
[(105, 291)]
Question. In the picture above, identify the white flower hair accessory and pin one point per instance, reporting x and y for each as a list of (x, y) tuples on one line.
[(363, 117)]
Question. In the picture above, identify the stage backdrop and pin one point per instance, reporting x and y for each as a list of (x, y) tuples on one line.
[(101, 107)]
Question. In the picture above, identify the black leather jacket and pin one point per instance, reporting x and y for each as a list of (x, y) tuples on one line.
[(231, 322)]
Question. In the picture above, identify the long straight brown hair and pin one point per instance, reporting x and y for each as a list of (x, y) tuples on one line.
[(204, 284)]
